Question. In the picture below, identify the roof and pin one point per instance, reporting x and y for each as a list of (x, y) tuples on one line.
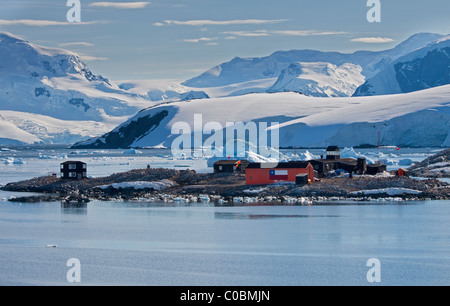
[(229, 162), (333, 148), (288, 165), (72, 162), (340, 160), (376, 166)]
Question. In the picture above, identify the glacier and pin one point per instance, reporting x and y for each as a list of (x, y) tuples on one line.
[(415, 119), (320, 79)]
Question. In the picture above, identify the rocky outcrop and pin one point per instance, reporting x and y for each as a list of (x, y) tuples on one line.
[(434, 166)]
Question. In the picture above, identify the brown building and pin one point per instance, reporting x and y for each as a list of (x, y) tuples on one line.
[(333, 161)]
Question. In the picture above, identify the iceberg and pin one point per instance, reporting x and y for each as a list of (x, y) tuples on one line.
[(132, 152), (242, 149)]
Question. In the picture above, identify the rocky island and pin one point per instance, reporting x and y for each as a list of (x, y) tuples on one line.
[(190, 186)]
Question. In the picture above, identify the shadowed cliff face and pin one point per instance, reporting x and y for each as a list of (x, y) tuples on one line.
[(423, 73), (124, 136)]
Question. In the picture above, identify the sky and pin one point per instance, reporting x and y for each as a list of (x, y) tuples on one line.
[(180, 39)]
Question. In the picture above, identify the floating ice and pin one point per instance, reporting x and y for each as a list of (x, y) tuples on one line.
[(405, 162), (132, 151)]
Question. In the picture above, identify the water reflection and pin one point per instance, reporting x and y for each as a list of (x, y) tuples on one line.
[(74, 208), (253, 216)]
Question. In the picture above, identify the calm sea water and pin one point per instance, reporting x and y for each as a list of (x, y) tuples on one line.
[(162, 244), (159, 244)]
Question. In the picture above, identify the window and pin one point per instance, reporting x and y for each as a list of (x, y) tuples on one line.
[(72, 166), (84, 166), (62, 167), (220, 168)]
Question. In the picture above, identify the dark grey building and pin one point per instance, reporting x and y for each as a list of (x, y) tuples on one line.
[(230, 166), (73, 170)]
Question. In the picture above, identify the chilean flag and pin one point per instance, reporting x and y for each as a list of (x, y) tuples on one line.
[(279, 175)]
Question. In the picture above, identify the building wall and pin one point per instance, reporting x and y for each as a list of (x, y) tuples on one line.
[(73, 171), (224, 168), (262, 176)]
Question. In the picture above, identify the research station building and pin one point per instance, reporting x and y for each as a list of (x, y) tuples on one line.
[(270, 173)]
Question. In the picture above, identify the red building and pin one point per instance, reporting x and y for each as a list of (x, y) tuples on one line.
[(270, 173)]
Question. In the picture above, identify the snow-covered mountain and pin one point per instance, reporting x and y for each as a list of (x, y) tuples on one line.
[(415, 119), (421, 69), (320, 79), (50, 95), (162, 90), (256, 73), (55, 84)]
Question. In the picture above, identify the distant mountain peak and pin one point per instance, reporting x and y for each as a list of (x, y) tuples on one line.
[(20, 57), (320, 79), (246, 70), (424, 68), (52, 95)]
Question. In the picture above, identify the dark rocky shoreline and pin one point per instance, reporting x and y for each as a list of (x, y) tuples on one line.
[(436, 166), (225, 188)]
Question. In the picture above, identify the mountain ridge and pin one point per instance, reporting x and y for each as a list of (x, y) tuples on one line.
[(423, 68), (240, 70)]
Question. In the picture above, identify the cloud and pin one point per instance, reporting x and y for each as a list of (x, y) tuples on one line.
[(89, 58), (197, 40), (305, 33), (121, 5), (199, 23), (43, 23), (72, 44), (257, 33), (302, 33), (373, 40)]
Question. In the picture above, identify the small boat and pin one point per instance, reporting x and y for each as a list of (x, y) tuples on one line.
[(51, 246)]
